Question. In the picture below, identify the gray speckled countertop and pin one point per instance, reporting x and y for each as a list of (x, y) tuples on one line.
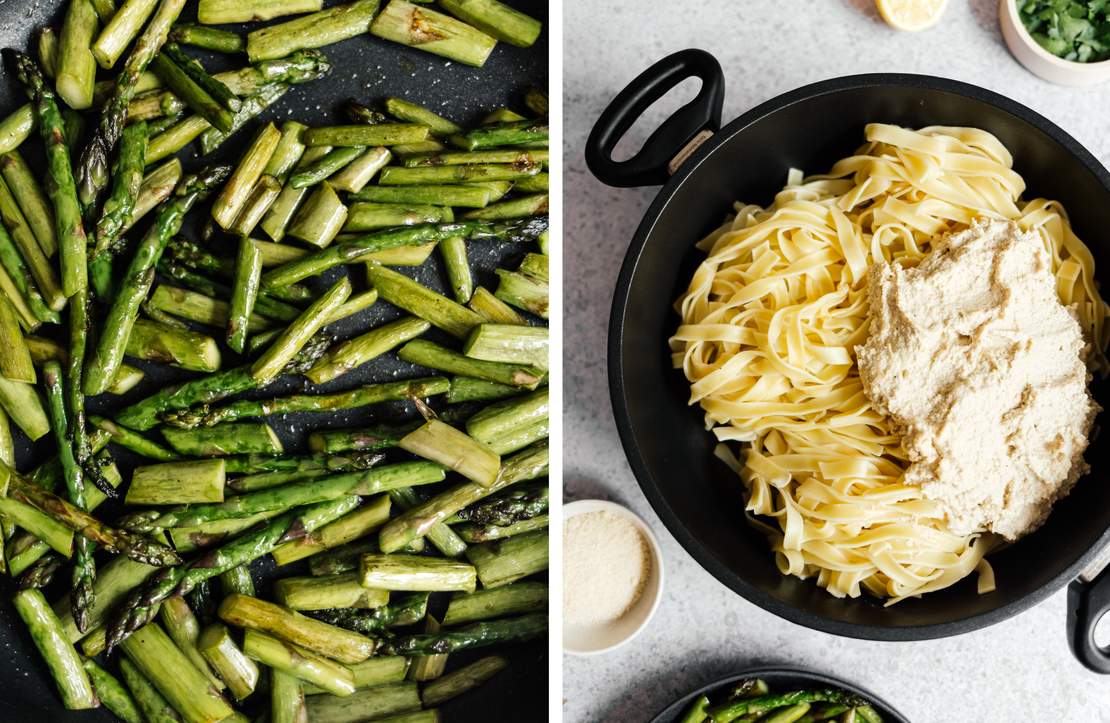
[(1018, 670)]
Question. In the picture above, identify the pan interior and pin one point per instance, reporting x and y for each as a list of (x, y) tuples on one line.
[(698, 497)]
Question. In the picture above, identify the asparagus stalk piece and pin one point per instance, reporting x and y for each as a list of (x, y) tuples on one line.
[(346, 558), (124, 26), (506, 134), (137, 281), (222, 12), (460, 681), (333, 591), (191, 255), (333, 642), (358, 172), (145, 414), (493, 309), (516, 208), (371, 704), (181, 625), (127, 182), (93, 173), (406, 610), (420, 301), (539, 183), (415, 573), (414, 113), (175, 138), (730, 710), (197, 481), (171, 673), (472, 173), (372, 672), (433, 356), (155, 708), (134, 441), (289, 150), (356, 398), (192, 93), (75, 67), (207, 38), (224, 439), (248, 276), (362, 482), (229, 662), (401, 256), (299, 663), (24, 408), (321, 169), (527, 464), (31, 199), (497, 19), (168, 302), (253, 105), (141, 606), (363, 136), (287, 703), (536, 266), (466, 196), (311, 31), (238, 579), (60, 656), (237, 191), (520, 597), (498, 156), (47, 49), (199, 283), (27, 319), (67, 211), (520, 437), (321, 218), (440, 535), (416, 26), (15, 358), (84, 571), (293, 339), (40, 290), (157, 342), (356, 249), (453, 251), (210, 84), (262, 197), (474, 635), (476, 534), (362, 521), (442, 443), (374, 216), (420, 716), (382, 436), (16, 128), (524, 292), (112, 694), (504, 561), (498, 419), (508, 343), (353, 353)]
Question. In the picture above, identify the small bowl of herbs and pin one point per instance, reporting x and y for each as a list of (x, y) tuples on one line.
[(1062, 41)]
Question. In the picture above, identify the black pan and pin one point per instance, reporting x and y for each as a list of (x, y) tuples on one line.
[(697, 497), (780, 680), (367, 69)]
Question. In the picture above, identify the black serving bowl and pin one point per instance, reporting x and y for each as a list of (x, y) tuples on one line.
[(703, 168), (780, 680)]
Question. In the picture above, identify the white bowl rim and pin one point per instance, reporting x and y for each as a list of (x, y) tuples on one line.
[(1028, 41), (580, 507)]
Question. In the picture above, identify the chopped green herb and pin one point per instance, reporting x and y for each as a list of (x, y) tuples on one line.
[(1076, 30)]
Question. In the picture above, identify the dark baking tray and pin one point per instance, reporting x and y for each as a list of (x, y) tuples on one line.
[(367, 69)]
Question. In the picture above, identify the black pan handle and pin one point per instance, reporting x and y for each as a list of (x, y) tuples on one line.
[(649, 167), (1087, 604)]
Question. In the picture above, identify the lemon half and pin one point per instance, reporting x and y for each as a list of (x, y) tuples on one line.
[(912, 15)]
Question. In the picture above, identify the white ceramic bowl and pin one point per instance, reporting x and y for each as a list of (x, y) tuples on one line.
[(597, 639), (1039, 61)]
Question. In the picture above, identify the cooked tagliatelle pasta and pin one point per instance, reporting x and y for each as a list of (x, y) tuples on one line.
[(769, 325)]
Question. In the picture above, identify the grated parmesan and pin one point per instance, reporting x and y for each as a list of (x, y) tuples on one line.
[(606, 564)]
